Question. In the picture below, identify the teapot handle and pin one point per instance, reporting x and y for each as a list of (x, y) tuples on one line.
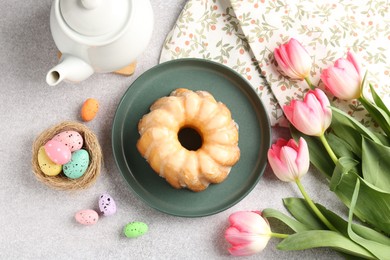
[(91, 4)]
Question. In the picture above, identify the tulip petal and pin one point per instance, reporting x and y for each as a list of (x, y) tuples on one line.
[(322, 98), (250, 249), (279, 59), (293, 59), (291, 143), (336, 79), (316, 107), (325, 106), (292, 161), (276, 164), (344, 79), (303, 159), (278, 145), (342, 63), (302, 60), (284, 63), (344, 85), (325, 76), (313, 115), (351, 57), (248, 234), (284, 53), (249, 222), (312, 103), (306, 119), (347, 69), (288, 156), (289, 110), (235, 237)]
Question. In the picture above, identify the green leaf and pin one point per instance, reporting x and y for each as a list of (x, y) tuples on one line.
[(342, 226), (344, 123), (339, 223), (290, 222), (376, 164), (378, 101), (299, 209), (339, 146), (318, 154), (349, 135), (379, 250), (373, 205), (343, 166), (383, 138), (371, 234), (323, 238), (377, 113)]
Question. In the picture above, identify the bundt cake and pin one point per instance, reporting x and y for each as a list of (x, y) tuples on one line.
[(186, 114)]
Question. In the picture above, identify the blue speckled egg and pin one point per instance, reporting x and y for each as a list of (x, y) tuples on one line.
[(77, 165)]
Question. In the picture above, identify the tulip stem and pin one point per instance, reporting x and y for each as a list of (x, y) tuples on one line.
[(308, 81), (328, 148), (278, 235), (314, 207)]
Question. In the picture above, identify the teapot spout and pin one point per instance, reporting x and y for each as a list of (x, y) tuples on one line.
[(70, 68)]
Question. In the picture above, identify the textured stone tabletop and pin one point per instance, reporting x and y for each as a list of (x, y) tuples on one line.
[(37, 222)]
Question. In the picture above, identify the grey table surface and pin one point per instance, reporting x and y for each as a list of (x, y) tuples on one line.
[(37, 222)]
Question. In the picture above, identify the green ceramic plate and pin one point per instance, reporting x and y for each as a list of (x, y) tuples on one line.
[(226, 86)]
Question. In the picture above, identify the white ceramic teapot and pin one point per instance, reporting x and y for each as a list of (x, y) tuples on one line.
[(98, 36)]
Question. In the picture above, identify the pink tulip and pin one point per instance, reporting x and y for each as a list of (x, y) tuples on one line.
[(293, 60), (344, 79), (313, 115), (248, 233), (288, 160)]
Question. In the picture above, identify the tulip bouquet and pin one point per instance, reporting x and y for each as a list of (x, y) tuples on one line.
[(354, 159)]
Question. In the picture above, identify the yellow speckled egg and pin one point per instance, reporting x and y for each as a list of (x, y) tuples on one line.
[(47, 166)]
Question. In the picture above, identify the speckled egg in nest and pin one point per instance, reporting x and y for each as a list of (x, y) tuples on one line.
[(90, 144)]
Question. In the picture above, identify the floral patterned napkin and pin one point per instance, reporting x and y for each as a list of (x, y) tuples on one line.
[(242, 34)]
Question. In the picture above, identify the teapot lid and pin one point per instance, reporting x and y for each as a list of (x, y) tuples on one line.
[(95, 17)]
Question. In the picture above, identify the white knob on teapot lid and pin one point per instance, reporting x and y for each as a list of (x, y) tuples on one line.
[(91, 4), (95, 17)]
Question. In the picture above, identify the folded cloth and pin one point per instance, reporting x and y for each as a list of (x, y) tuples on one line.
[(209, 30), (242, 34)]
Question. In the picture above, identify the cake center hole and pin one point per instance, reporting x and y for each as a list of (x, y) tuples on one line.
[(190, 138)]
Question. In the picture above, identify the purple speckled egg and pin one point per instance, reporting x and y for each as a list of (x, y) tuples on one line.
[(86, 217), (72, 139), (107, 204), (58, 152)]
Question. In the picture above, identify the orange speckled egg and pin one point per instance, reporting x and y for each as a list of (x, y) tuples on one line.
[(89, 109)]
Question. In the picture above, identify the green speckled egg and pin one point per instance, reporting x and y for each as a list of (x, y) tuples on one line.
[(135, 229), (77, 165)]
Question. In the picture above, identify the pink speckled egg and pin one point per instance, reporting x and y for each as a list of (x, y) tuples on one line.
[(72, 139), (86, 217), (58, 152)]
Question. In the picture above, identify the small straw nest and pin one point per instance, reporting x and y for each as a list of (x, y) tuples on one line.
[(60, 181)]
